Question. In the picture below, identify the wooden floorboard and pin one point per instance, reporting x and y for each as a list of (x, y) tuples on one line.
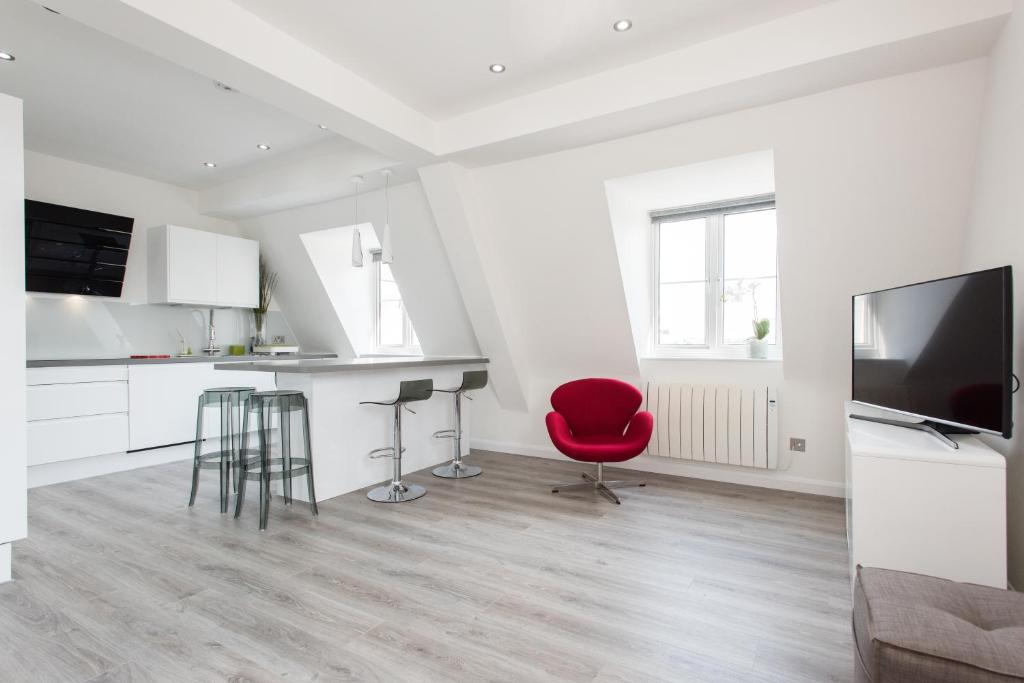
[(486, 579)]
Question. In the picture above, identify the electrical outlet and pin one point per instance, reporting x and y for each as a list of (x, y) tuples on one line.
[(798, 445)]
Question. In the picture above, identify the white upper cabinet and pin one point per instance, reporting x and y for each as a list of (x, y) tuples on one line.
[(238, 272), (189, 266)]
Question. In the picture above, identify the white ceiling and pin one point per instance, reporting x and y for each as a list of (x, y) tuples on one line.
[(434, 55), (91, 98)]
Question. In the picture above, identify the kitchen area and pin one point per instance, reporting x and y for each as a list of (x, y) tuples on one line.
[(182, 236), (90, 415)]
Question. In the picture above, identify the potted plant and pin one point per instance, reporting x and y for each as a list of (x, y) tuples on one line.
[(268, 283), (757, 347)]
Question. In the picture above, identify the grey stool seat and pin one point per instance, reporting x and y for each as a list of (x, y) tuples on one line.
[(230, 401), (457, 469), (259, 464), (397, 491)]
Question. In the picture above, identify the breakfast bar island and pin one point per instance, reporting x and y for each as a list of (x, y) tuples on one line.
[(343, 432)]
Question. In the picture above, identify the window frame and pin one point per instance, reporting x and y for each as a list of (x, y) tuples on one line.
[(713, 213), (408, 332)]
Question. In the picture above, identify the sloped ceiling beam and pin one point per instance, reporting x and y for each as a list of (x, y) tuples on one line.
[(451, 195)]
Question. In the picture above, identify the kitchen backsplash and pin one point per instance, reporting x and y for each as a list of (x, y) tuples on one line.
[(80, 327)]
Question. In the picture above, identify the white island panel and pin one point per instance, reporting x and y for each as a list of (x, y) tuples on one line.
[(343, 432)]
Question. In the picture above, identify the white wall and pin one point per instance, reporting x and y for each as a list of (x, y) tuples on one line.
[(13, 501), (421, 268), (69, 327), (995, 234), (352, 291), (872, 187)]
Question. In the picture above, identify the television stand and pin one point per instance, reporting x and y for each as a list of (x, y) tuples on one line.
[(939, 431)]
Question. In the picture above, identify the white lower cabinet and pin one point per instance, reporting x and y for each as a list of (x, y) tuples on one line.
[(51, 401), (79, 412), (76, 412), (76, 437), (163, 399)]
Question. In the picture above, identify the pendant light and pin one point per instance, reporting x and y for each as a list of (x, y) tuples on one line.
[(357, 240), (385, 241)]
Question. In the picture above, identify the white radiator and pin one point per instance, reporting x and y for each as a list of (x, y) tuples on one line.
[(729, 425)]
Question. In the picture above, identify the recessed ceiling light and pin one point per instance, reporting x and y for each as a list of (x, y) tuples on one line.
[(209, 164), (497, 68), (622, 25), (219, 85), (6, 56), (263, 147), (321, 126)]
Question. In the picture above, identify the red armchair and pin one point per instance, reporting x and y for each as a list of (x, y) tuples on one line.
[(596, 420)]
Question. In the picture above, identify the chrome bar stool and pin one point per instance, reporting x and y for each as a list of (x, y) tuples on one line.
[(259, 464), (396, 491), (457, 469), (230, 402)]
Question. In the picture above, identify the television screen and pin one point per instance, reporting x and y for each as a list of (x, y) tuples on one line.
[(939, 350), (75, 251)]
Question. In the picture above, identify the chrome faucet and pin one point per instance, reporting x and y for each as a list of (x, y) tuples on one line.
[(211, 342)]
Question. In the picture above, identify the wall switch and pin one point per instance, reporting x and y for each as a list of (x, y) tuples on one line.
[(798, 445)]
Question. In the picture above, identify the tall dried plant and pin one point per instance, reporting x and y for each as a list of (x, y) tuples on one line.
[(268, 283)]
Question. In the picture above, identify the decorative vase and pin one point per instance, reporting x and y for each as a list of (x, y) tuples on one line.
[(260, 337), (756, 348)]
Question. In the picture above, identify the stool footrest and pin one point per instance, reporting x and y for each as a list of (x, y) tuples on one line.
[(387, 452), (444, 434)]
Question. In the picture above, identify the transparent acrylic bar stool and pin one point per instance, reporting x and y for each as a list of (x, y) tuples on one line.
[(396, 491), (457, 469), (230, 402), (259, 464)]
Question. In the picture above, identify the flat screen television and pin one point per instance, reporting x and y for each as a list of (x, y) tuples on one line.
[(940, 351), (75, 251)]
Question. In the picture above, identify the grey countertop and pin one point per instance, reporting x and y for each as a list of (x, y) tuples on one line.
[(226, 360), (355, 364)]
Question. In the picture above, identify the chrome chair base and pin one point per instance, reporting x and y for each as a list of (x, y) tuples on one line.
[(457, 470), (396, 493), (598, 484)]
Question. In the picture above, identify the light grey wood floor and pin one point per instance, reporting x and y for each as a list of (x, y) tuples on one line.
[(492, 578)]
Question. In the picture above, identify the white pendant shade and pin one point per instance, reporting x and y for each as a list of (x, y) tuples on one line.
[(357, 237), (385, 245), (357, 249)]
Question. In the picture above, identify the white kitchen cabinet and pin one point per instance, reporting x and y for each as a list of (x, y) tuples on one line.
[(50, 401), (187, 266), (76, 374), (163, 399), (238, 270), (71, 438), (76, 412)]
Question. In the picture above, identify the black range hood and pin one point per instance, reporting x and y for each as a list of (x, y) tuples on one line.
[(75, 251)]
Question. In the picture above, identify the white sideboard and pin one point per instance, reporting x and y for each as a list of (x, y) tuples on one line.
[(187, 266), (917, 505)]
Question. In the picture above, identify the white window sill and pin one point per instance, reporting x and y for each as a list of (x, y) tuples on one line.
[(717, 357)]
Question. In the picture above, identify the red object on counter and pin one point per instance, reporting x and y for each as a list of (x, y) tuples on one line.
[(136, 356)]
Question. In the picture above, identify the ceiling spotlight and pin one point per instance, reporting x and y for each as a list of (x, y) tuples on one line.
[(219, 85), (497, 68), (321, 126), (209, 164), (622, 25), (263, 147), (6, 56)]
